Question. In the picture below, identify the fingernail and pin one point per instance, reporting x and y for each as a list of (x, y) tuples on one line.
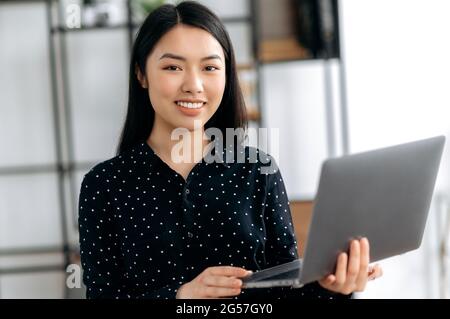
[(249, 272)]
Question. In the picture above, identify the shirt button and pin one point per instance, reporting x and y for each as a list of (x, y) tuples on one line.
[(190, 235), (187, 191)]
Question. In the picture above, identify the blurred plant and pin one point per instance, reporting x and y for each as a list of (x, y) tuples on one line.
[(143, 7)]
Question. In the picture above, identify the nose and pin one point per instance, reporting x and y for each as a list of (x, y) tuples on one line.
[(192, 83)]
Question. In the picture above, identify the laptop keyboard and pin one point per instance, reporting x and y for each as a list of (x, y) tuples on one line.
[(286, 270)]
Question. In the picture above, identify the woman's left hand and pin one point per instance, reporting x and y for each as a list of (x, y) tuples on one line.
[(352, 274)]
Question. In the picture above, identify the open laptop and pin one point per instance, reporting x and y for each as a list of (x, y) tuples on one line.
[(383, 195)]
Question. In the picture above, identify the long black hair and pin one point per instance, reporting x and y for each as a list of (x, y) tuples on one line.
[(140, 114)]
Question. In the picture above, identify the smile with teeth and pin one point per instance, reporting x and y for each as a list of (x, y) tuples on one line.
[(190, 105)]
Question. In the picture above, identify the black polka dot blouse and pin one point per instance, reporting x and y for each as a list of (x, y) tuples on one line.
[(145, 231)]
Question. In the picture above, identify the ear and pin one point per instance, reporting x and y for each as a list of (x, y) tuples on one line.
[(141, 77)]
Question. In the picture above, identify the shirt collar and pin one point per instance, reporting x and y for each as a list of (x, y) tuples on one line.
[(215, 148)]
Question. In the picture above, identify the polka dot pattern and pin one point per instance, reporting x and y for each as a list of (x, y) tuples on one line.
[(145, 230)]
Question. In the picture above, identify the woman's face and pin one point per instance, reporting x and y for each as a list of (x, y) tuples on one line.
[(185, 77)]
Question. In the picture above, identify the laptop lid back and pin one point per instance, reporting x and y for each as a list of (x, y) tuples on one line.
[(383, 195)]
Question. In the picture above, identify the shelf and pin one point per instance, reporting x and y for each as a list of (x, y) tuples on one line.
[(245, 19), (63, 29), (283, 49), (31, 250), (253, 114), (32, 269), (45, 168), (245, 67)]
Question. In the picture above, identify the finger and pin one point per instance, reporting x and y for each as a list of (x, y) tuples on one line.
[(376, 272), (370, 270), (361, 280), (341, 270), (227, 271), (353, 263), (328, 280), (222, 281), (214, 292)]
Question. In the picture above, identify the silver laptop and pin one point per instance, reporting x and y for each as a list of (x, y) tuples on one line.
[(383, 195)]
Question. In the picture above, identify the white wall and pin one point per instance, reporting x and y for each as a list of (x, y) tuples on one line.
[(398, 70), (294, 103), (29, 212)]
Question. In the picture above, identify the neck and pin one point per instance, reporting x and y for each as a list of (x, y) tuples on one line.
[(161, 142)]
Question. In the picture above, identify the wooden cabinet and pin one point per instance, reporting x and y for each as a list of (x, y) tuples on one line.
[(301, 217)]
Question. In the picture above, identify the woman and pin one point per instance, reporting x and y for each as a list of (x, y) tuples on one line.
[(154, 226)]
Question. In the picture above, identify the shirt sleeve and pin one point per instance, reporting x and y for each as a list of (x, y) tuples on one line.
[(104, 274), (281, 244)]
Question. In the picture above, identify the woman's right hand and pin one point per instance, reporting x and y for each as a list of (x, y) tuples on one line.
[(214, 282)]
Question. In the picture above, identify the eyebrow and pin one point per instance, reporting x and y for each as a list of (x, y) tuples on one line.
[(177, 57)]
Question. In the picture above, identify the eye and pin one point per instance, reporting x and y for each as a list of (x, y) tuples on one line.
[(210, 66), (171, 68)]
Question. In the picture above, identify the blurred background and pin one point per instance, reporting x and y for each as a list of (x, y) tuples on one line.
[(335, 77)]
